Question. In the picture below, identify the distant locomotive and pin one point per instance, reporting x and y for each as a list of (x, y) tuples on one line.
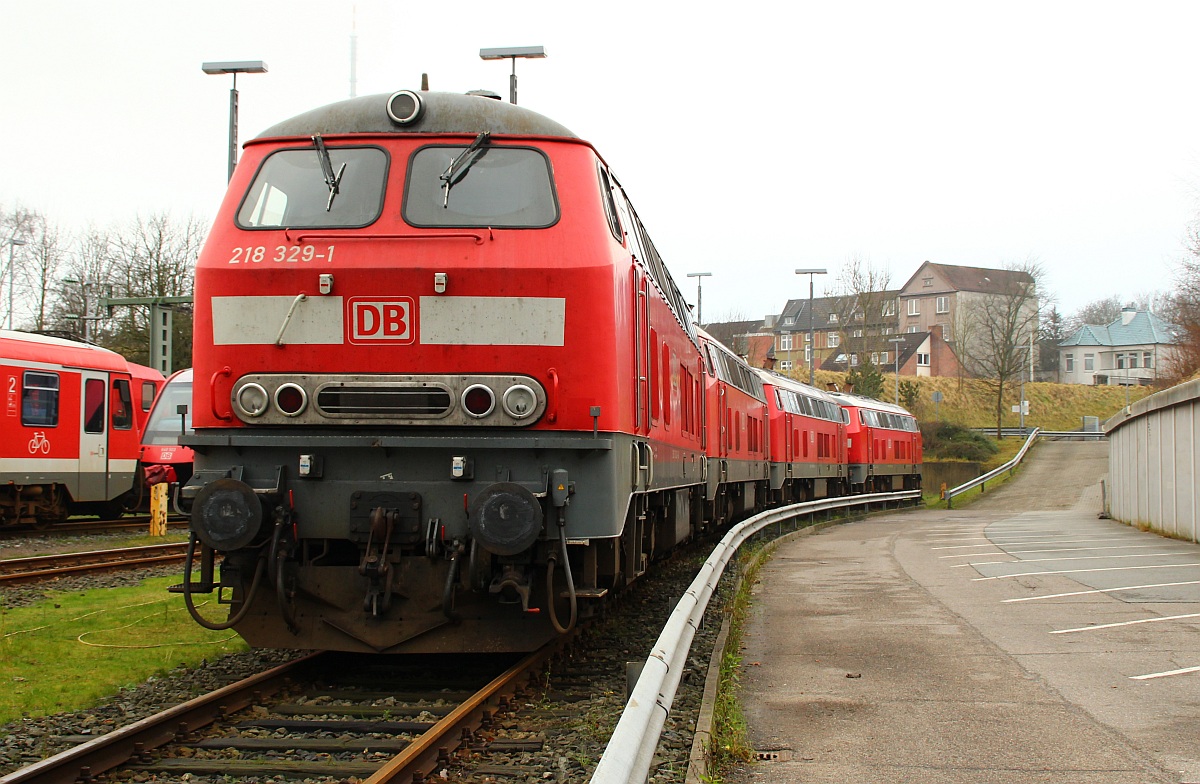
[(446, 392), (70, 436), (163, 459)]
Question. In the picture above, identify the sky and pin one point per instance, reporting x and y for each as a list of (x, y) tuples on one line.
[(754, 138)]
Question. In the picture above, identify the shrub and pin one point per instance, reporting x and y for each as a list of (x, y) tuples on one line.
[(954, 442)]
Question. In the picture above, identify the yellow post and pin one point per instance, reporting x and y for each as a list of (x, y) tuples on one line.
[(158, 509)]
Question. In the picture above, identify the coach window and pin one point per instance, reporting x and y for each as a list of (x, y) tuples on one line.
[(291, 189), (39, 400), (147, 395), (93, 406), (121, 405), (492, 187)]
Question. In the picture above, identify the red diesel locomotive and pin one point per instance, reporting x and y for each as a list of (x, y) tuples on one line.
[(885, 445), (446, 392), (807, 441), (70, 438)]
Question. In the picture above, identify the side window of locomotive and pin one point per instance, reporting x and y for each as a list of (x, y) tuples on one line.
[(610, 206), (511, 187), (291, 190), (121, 405), (39, 400), (93, 405)]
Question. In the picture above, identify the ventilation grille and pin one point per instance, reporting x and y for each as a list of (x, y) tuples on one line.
[(384, 401)]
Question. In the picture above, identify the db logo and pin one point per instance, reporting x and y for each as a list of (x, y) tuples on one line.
[(375, 320)]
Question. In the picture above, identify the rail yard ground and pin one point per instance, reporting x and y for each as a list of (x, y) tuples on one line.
[(1022, 639)]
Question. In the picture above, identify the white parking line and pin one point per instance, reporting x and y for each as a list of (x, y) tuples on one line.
[(994, 544), (1126, 623), (1067, 558), (1099, 590), (1057, 550), (1077, 571), (1166, 674)]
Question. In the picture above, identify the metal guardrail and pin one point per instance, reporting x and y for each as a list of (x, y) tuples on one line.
[(981, 481), (1037, 432), (630, 750)]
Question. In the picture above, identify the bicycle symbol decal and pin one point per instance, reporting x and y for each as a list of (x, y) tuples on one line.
[(39, 441)]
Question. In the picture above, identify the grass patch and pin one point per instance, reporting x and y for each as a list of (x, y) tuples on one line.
[(730, 742), (74, 649)]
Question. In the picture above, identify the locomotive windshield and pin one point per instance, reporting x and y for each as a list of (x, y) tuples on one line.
[(492, 186), (297, 188)]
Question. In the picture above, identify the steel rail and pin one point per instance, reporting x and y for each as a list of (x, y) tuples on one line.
[(630, 750), (424, 753), (85, 761), (42, 566)]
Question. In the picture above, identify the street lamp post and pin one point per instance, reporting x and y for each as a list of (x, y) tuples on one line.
[(699, 276), (812, 346), (13, 242), (234, 67), (512, 53), (896, 345)]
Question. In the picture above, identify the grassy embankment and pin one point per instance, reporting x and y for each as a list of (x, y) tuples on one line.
[(74, 649)]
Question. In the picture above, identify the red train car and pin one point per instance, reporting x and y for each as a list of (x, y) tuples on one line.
[(736, 412), (807, 441), (885, 445), (437, 359), (70, 437), (163, 459)]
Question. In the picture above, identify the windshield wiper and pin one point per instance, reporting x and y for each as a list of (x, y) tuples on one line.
[(461, 163), (332, 181)]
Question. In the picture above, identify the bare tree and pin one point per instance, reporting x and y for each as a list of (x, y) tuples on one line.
[(1183, 307), (153, 257), (1001, 324), (864, 306), (18, 227)]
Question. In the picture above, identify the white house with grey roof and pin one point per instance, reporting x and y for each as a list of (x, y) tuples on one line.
[(1134, 349)]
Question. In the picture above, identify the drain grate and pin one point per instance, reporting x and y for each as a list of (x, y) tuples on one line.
[(772, 755)]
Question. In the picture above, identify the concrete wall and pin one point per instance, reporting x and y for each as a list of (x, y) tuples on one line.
[(1154, 462)]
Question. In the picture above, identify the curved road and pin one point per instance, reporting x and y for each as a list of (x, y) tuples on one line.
[(1019, 639)]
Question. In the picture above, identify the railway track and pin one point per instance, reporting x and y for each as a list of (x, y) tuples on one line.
[(323, 717), (75, 527), (14, 571)]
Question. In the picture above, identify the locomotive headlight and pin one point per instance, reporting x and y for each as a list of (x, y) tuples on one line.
[(478, 400), (291, 399), (405, 107), (519, 401), (252, 399)]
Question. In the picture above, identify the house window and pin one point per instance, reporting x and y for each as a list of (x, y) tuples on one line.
[(857, 315), (947, 334), (1120, 361), (785, 364), (911, 329), (807, 354), (943, 304), (922, 360), (914, 307), (833, 318), (789, 321), (887, 330), (854, 360), (807, 338), (832, 339), (1070, 358), (884, 357), (858, 333), (889, 308), (1147, 359), (1089, 361), (875, 358), (927, 282), (1132, 359), (785, 342)]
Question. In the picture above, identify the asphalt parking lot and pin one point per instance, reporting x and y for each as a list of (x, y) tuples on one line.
[(1021, 639)]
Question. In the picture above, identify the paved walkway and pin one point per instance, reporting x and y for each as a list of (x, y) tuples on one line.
[(1020, 639)]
